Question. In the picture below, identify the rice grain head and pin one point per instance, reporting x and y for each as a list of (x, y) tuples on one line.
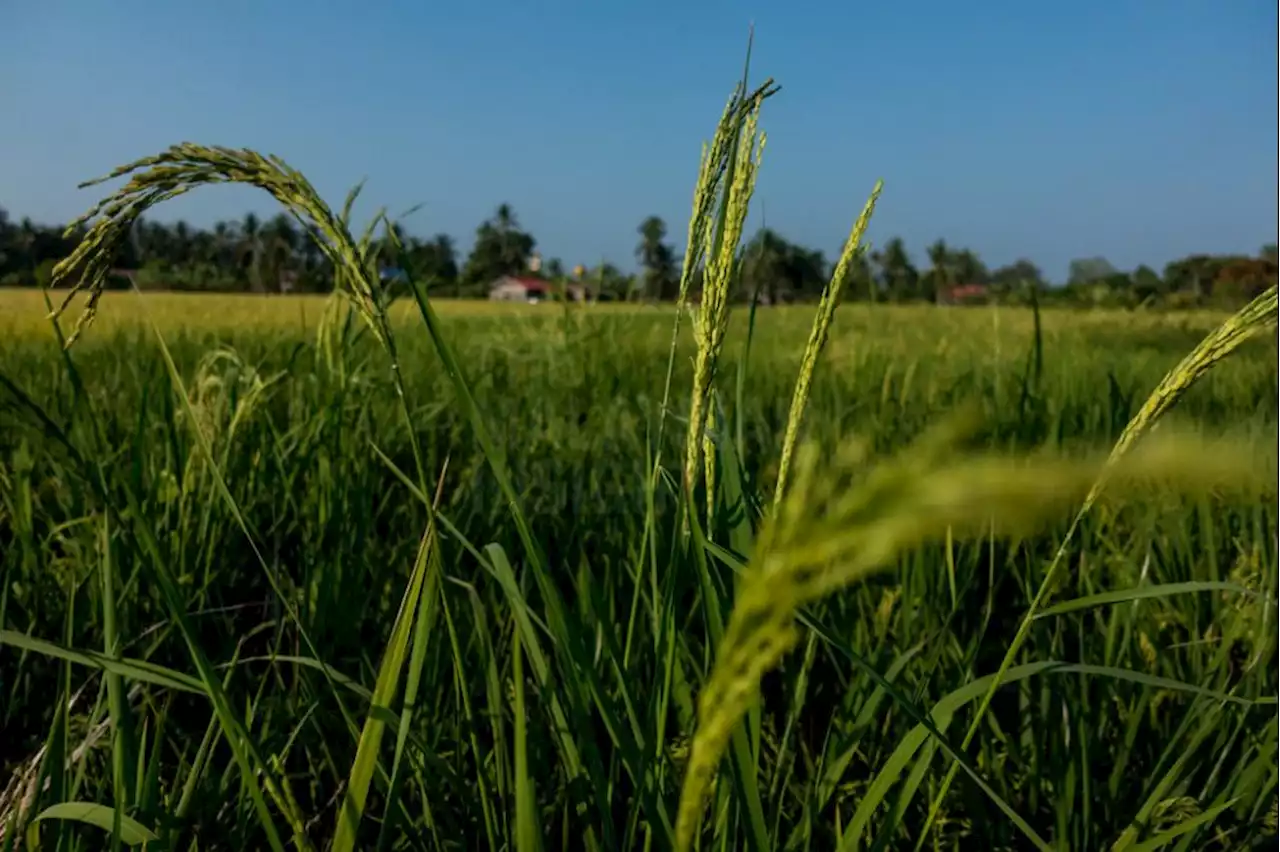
[(179, 170), (721, 236)]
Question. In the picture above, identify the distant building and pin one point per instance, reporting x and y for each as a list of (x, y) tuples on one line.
[(511, 288), (963, 294)]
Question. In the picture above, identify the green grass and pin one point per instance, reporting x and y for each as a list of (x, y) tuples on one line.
[(354, 576), (319, 464)]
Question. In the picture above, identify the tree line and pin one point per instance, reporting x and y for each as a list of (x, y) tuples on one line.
[(276, 255)]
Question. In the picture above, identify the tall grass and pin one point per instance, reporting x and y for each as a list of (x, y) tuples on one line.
[(391, 579)]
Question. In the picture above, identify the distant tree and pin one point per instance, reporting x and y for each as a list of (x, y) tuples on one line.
[(969, 267), (515, 247), (282, 240), (764, 272), (250, 250), (1241, 279), (1192, 276), (393, 234), (949, 268), (315, 270), (28, 246), (226, 236), (860, 282), (657, 260), (1119, 286), (608, 282), (501, 248), (155, 243), (435, 262), (1146, 284), (251, 253), (266, 252), (182, 252), (808, 271), (1016, 277), (780, 270), (898, 278), (8, 260), (1088, 269), (941, 275)]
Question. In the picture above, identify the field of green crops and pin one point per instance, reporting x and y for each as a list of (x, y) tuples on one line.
[(204, 577), (358, 573)]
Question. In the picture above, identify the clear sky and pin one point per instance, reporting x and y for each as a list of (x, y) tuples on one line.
[(1140, 130)]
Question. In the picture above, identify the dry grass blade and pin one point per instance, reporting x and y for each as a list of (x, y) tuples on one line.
[(182, 168)]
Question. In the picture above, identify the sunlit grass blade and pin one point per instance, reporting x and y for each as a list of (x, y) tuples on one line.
[(130, 831), (122, 759), (1164, 838), (1160, 590), (138, 670), (426, 615), (385, 689), (527, 829)]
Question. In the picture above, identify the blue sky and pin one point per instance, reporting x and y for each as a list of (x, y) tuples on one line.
[(1140, 130)]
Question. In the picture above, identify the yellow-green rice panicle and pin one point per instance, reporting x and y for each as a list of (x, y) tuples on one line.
[(712, 168), (180, 169), (818, 337), (723, 236)]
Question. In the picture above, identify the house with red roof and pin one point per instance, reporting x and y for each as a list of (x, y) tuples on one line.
[(514, 288), (964, 294)]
